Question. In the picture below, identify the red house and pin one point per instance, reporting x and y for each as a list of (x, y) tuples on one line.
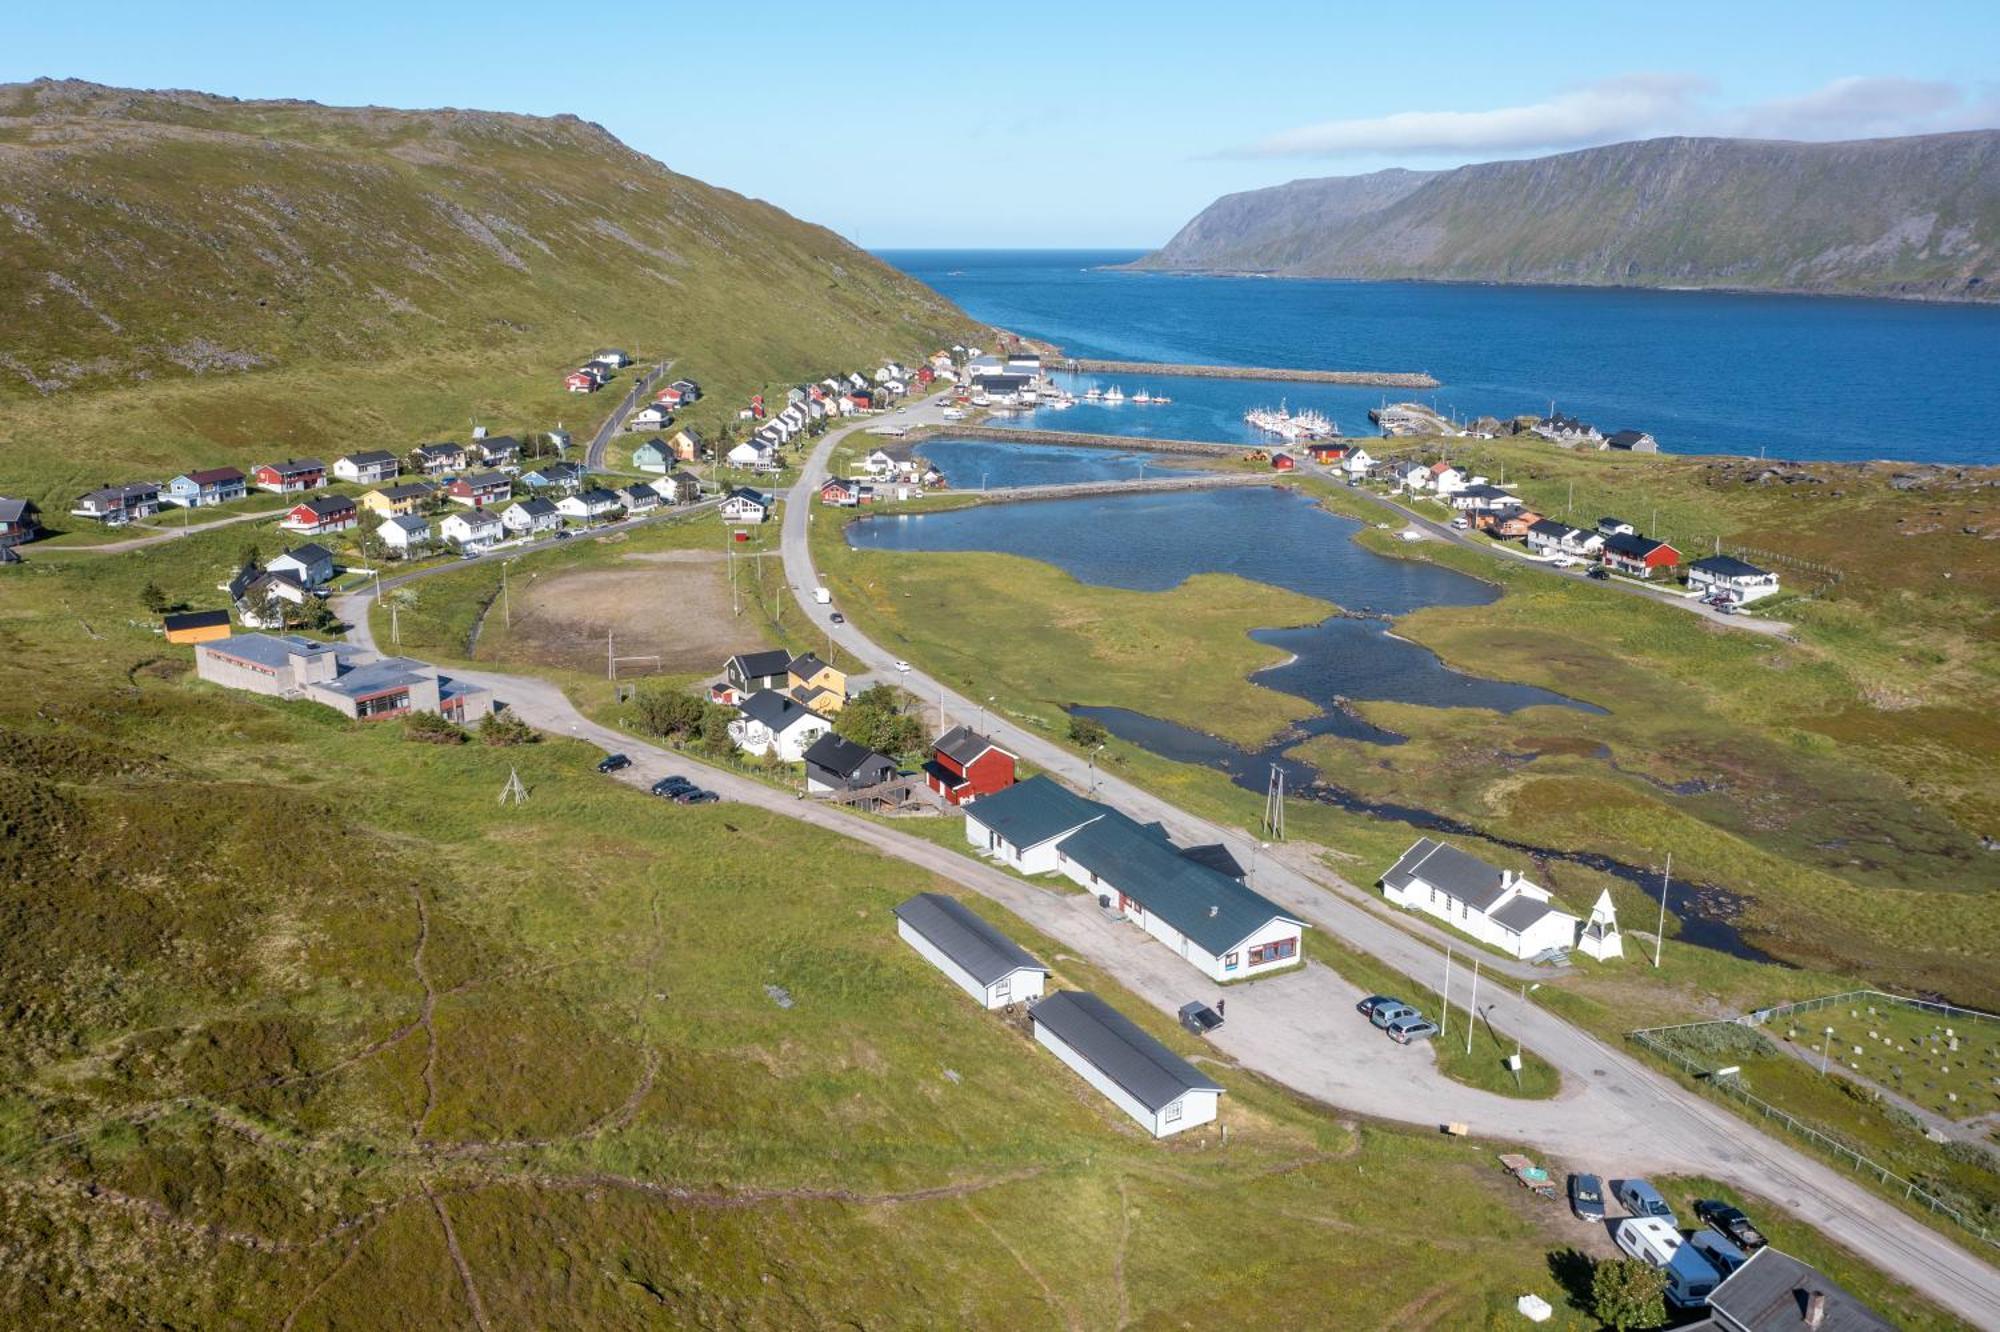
[(842, 494), (286, 478), (321, 514), (965, 765), (576, 381), (1283, 462), (1327, 453), (670, 396), (1639, 556)]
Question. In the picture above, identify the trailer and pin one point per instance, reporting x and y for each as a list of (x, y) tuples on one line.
[(1533, 1177)]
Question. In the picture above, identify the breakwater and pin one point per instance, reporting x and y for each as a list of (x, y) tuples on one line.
[(1078, 439), (1147, 485), (1366, 378)]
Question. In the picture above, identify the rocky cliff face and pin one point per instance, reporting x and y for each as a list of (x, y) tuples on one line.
[(1914, 217)]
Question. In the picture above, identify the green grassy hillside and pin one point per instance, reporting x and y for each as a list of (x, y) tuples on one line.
[(193, 279)]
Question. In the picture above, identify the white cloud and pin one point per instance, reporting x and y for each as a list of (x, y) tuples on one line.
[(1637, 106), (1625, 107)]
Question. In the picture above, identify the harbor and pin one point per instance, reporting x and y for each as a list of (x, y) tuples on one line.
[(1083, 439)]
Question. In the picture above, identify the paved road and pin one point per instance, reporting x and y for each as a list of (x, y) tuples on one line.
[(1446, 532), (1615, 1114), (593, 457)]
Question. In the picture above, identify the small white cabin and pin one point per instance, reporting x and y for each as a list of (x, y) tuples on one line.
[(1163, 1093), (971, 950)]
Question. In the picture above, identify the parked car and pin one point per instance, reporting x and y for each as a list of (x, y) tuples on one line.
[(672, 786), (1599, 572), (613, 762), (1415, 1027), (1199, 1018), (564, 534), (1721, 1253), (1460, 524), (1586, 1197), (1389, 1012), (1562, 562), (1642, 1199), (697, 797), (1731, 1222), (1368, 1006)]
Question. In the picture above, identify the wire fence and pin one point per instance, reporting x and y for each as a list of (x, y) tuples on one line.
[(1840, 1151), (1942, 1009)]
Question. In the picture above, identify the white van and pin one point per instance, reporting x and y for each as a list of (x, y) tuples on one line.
[(1656, 1241)]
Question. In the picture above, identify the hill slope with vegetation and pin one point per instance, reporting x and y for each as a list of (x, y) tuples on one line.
[(192, 277), (1914, 217)]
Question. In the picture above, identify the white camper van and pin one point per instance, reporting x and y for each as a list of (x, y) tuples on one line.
[(1656, 1241)]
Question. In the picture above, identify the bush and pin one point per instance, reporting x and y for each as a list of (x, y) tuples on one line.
[(1088, 732), (1626, 1293), (669, 712), (431, 729), (506, 729), (876, 718), (715, 729)]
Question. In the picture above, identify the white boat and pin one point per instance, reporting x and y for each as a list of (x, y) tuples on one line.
[(1093, 393), (1142, 396), (1114, 394)]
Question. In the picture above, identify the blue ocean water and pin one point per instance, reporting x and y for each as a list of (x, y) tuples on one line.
[(973, 464), (1705, 372)]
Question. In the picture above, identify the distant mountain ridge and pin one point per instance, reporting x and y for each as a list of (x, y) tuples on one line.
[(1914, 218)]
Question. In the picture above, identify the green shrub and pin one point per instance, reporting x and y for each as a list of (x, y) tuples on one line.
[(431, 729), (1626, 1293)]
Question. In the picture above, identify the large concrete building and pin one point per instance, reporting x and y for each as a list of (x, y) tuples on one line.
[(353, 681)]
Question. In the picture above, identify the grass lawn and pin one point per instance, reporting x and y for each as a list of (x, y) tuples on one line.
[(1947, 1063)]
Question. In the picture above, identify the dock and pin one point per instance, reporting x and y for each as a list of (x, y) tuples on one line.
[(1080, 439), (1400, 379), (1131, 486)]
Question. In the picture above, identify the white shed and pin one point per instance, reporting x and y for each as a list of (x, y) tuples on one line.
[(980, 960), (1142, 1077)]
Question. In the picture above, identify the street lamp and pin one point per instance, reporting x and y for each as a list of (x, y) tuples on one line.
[(1825, 1042), (1093, 768)]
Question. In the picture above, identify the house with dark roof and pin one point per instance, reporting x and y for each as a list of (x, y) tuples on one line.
[(206, 486), (1632, 441), (388, 501), (966, 766), (437, 459), (531, 516), (1725, 575), (369, 467), (748, 672), (20, 521), (290, 476), (1217, 924), (970, 949), (478, 490), (196, 626), (1638, 556), (567, 477), (498, 450), (772, 724), (350, 680), (1482, 497), (1021, 826), (311, 564), (114, 506), (835, 763), (816, 684), (1551, 537), (1161, 1091), (321, 514), (1495, 906), (1775, 1292)]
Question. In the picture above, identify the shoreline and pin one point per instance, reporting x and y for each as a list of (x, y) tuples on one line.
[(1402, 379)]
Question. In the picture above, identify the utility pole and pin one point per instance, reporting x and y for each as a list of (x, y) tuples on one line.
[(506, 606), (1472, 1007), (395, 623), (1444, 995), (1660, 937), (610, 661)]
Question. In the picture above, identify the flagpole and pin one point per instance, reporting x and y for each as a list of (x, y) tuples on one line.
[(1444, 995), (1472, 1008), (1660, 937)]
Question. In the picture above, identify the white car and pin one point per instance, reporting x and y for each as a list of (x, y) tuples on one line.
[(1561, 562), (903, 666)]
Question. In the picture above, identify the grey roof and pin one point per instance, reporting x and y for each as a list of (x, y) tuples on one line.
[(962, 745), (805, 664), (1626, 438), (1467, 878), (1633, 546), (1109, 1042), (1549, 527), (409, 522), (310, 553), (1728, 566), (273, 650), (1031, 812), (598, 495), (1483, 491), (1769, 1294), (753, 664), (499, 444), (324, 505), (1214, 856), (14, 510), (537, 507), (295, 465), (836, 754), (408, 490), (372, 457), (377, 676), (968, 939), (1210, 908), (484, 479), (442, 450), (745, 493), (1523, 912), (774, 710)]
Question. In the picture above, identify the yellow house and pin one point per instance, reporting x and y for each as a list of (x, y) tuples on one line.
[(393, 501), (816, 684)]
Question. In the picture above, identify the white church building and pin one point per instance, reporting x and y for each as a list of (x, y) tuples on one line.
[(1600, 938), (1493, 905)]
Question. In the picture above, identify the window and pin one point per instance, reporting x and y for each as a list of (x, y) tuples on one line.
[(1273, 952), (1229, 961), (1173, 1113), (1003, 989)]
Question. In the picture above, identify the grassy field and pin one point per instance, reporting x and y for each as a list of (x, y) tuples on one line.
[(537, 1057)]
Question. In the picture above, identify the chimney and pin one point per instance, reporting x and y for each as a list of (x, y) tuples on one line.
[(1212, 911), (1816, 1309)]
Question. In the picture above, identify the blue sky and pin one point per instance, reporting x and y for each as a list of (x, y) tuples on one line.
[(1096, 124)]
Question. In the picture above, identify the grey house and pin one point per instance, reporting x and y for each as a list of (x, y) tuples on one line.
[(971, 950), (835, 763)]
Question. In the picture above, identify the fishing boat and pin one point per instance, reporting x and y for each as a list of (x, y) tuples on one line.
[(1093, 393), (1114, 394)]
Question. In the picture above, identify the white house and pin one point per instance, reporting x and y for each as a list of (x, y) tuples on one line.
[(746, 506), (1357, 463), (1600, 938), (1446, 479), (370, 468), (614, 357), (750, 453), (971, 950), (588, 505), (310, 565), (404, 532), (532, 516), (1021, 826), (1492, 905), (1210, 919), (1726, 574), (774, 724), (471, 529), (1479, 497), (1549, 537), (1162, 1092), (653, 416), (1413, 476), (878, 463)]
